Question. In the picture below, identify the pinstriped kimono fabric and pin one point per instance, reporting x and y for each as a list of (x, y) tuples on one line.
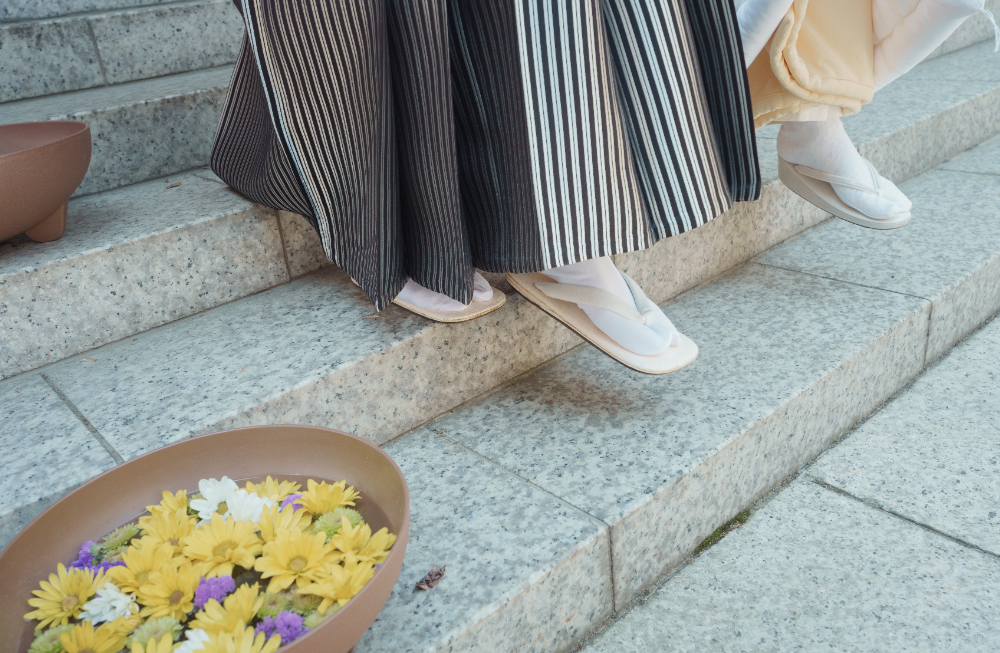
[(424, 137)]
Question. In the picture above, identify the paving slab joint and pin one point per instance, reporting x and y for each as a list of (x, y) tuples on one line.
[(875, 505), (97, 52), (836, 279), (83, 419), (281, 240)]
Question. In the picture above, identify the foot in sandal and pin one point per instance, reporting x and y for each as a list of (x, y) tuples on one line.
[(608, 309), (442, 308), (823, 152)]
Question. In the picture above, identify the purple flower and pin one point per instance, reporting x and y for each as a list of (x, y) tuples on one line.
[(290, 499), (104, 566), (85, 558), (213, 588), (287, 624)]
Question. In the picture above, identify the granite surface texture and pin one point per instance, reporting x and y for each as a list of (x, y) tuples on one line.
[(931, 455), (155, 41), (18, 10), (302, 245), (47, 57), (126, 265), (816, 571), (140, 130), (949, 252), (929, 123), (525, 571), (584, 417), (47, 451), (83, 51), (978, 63), (983, 159), (301, 353)]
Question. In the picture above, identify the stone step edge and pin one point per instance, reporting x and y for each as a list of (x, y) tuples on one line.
[(238, 230), (103, 47), (171, 124)]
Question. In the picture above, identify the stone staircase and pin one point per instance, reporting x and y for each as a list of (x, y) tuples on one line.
[(555, 484)]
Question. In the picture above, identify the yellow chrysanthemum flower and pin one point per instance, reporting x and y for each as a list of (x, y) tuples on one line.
[(141, 561), (324, 497), (238, 608), (63, 595), (340, 584), (124, 625), (170, 503), (217, 547), (294, 557), (357, 544), (242, 641), (169, 592), (168, 527), (272, 489), (274, 520), (85, 639), (165, 645)]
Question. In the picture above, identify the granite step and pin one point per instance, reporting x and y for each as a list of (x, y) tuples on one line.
[(141, 130), (137, 257), (558, 497), (128, 293), (912, 490), (102, 48), (13, 11), (815, 570)]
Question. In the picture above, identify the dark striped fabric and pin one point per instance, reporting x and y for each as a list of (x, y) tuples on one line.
[(424, 137)]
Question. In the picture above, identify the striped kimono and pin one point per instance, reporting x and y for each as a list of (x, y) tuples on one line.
[(422, 138)]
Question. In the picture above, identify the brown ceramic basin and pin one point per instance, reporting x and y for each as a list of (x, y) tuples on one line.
[(121, 494), (41, 164)]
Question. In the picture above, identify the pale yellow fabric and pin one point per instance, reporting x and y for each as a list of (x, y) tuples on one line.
[(821, 55)]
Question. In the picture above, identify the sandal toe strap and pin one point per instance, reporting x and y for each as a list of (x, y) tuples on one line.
[(830, 178), (591, 297)]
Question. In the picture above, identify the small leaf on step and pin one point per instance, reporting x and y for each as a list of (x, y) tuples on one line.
[(174, 185), (374, 316), (431, 579), (89, 360)]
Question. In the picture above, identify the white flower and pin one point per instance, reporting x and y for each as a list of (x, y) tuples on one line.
[(196, 640), (109, 604), (213, 493), (247, 506)]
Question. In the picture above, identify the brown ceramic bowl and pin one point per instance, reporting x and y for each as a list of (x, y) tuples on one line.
[(41, 164), (121, 494)]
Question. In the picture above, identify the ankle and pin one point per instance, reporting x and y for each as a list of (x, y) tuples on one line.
[(821, 145)]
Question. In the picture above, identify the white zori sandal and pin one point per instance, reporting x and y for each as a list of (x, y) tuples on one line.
[(485, 299), (815, 186), (560, 301)]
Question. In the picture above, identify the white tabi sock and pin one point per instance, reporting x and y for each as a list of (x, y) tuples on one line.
[(602, 274), (826, 146), (427, 299)]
